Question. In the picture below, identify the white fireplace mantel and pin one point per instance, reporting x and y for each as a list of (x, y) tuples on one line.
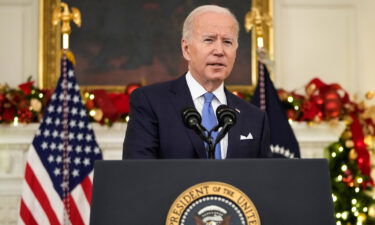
[(15, 141)]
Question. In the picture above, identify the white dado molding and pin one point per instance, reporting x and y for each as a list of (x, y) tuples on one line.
[(15, 141)]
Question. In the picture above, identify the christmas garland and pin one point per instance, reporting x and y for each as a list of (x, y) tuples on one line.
[(349, 157)]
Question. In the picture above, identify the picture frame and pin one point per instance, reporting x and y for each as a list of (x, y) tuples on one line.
[(110, 58)]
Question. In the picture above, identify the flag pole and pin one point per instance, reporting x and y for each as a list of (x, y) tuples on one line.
[(62, 15)]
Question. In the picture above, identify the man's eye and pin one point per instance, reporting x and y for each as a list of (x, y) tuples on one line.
[(228, 42), (208, 40)]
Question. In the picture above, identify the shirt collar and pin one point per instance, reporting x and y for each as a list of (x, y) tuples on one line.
[(197, 90)]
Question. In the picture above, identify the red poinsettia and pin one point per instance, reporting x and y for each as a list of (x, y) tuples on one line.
[(121, 102), (9, 114), (26, 87)]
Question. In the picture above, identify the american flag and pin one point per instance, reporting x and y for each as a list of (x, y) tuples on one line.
[(283, 141), (59, 169)]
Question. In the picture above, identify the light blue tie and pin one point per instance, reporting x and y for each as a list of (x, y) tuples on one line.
[(209, 120)]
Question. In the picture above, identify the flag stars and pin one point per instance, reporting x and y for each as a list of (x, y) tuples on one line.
[(71, 136), (71, 73), (57, 171), (61, 147), (82, 113), (72, 123), (70, 148), (86, 162), (79, 136), (97, 150), (44, 145), (88, 137), (65, 172), (81, 124), (75, 173), (77, 161), (48, 120), (75, 99), (53, 96), (57, 121), (53, 146), (50, 159), (74, 111), (59, 109), (51, 109), (46, 133), (76, 87), (87, 149), (55, 133), (58, 159), (78, 149)]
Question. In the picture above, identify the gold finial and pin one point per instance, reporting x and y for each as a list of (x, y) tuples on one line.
[(259, 22), (64, 15)]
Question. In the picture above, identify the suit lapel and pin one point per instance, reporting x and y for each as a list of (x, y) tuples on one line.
[(234, 133), (181, 99)]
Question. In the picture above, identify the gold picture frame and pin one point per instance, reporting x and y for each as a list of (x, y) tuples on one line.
[(50, 47)]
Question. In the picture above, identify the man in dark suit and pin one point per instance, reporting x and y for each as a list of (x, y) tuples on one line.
[(156, 129)]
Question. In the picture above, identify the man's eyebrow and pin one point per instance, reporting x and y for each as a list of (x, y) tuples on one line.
[(209, 35)]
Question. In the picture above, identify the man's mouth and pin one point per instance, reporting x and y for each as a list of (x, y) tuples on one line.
[(216, 64)]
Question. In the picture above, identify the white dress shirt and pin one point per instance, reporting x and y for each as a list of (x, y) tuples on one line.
[(197, 92)]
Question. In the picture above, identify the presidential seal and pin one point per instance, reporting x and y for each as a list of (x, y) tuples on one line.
[(212, 203)]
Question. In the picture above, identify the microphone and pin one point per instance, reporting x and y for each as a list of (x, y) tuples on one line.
[(192, 119), (226, 118)]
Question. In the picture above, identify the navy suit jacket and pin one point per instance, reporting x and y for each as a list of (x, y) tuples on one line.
[(156, 129)]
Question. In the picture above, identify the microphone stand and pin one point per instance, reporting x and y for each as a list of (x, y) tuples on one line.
[(210, 148)]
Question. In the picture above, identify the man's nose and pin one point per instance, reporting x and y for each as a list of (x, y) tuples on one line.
[(218, 49)]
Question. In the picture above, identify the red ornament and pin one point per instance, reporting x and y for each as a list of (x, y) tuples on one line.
[(90, 104), (131, 87), (332, 104)]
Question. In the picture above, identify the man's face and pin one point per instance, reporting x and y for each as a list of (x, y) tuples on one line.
[(211, 48)]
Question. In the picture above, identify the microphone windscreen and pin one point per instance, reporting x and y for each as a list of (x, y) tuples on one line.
[(225, 113), (191, 117)]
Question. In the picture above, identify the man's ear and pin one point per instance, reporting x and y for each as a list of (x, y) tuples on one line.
[(185, 49)]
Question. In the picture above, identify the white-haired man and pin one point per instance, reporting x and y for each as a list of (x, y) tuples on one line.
[(156, 128)]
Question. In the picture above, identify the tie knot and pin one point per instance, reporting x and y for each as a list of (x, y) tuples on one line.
[(208, 96)]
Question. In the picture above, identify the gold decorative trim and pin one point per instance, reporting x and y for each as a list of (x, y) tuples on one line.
[(50, 47), (199, 191), (265, 10)]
